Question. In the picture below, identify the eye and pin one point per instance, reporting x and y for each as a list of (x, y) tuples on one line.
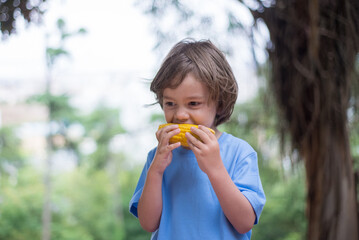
[(194, 104), (169, 104)]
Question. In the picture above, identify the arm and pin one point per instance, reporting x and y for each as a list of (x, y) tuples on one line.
[(150, 204), (234, 204)]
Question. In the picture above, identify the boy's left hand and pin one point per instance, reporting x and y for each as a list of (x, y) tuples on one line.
[(206, 150)]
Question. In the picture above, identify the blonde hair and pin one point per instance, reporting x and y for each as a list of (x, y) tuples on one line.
[(208, 64)]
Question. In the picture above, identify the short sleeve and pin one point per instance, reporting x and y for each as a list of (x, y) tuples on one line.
[(141, 182), (248, 181)]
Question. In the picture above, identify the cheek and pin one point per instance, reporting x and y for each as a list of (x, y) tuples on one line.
[(212, 112), (206, 115), (168, 115)]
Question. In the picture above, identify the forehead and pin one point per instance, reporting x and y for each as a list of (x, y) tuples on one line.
[(189, 87)]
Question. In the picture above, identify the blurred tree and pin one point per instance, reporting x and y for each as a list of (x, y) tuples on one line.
[(61, 116), (88, 202), (103, 161), (102, 126), (20, 207), (85, 207), (283, 217), (82, 205), (133, 229), (312, 48), (58, 107), (12, 10), (67, 216), (10, 155)]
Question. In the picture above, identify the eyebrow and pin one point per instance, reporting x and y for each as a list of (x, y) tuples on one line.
[(190, 97)]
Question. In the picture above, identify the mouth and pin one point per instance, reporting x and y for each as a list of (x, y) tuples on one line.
[(179, 122), (181, 136)]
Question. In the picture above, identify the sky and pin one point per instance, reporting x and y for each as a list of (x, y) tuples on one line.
[(117, 42), (107, 65), (110, 64)]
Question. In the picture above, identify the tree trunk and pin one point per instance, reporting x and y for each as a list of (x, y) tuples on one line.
[(46, 209), (313, 50), (331, 199)]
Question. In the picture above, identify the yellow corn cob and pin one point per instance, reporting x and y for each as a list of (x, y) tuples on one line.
[(181, 136)]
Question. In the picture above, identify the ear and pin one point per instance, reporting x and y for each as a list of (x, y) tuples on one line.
[(219, 110), (216, 118)]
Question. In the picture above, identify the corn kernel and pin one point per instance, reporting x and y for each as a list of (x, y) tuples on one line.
[(181, 136)]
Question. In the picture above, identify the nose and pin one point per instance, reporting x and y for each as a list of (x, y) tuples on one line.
[(181, 115)]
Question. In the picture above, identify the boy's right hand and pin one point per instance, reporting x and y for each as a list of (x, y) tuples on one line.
[(163, 156)]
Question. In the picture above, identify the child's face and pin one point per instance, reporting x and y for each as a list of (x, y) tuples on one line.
[(189, 103)]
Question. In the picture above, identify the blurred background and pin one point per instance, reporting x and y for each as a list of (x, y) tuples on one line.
[(76, 121)]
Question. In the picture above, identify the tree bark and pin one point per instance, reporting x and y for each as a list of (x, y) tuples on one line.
[(46, 209), (331, 198), (314, 45)]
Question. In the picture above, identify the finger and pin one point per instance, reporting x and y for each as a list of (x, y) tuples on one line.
[(203, 135), (165, 137), (173, 133), (205, 129), (196, 150), (210, 134), (191, 140), (167, 149), (166, 129), (170, 127), (174, 146), (158, 134)]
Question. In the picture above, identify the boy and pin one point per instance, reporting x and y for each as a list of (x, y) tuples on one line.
[(210, 189)]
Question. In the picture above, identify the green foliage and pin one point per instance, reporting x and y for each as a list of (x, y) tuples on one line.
[(91, 202), (157, 118), (83, 206), (20, 208), (132, 227), (101, 125), (55, 52), (59, 105), (283, 217), (10, 149)]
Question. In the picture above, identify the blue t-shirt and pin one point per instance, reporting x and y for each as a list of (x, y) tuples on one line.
[(190, 207)]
